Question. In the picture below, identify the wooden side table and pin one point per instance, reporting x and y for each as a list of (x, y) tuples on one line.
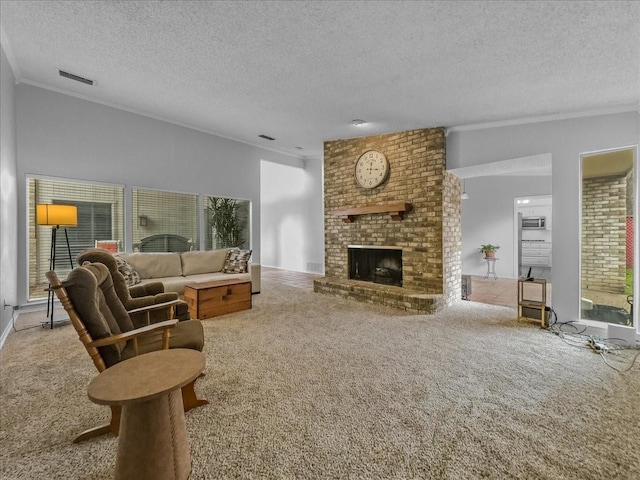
[(533, 308), (153, 436)]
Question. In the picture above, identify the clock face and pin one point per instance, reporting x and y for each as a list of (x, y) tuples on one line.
[(372, 169)]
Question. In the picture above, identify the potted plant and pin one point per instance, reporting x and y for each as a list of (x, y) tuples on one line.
[(489, 250)]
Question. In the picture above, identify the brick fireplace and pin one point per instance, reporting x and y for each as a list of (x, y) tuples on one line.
[(415, 212)]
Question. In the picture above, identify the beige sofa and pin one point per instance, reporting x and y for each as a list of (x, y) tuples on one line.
[(175, 270)]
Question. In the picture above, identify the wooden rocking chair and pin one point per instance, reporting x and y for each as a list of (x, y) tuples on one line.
[(106, 331)]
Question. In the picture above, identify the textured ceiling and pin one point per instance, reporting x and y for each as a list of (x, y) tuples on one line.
[(300, 71)]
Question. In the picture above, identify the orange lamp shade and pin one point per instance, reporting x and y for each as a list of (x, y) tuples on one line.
[(57, 215)]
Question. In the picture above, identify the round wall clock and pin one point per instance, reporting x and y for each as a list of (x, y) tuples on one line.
[(372, 169)]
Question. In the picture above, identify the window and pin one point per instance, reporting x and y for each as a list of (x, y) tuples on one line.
[(607, 220), (162, 222), (100, 218), (165, 221), (227, 221), (94, 224)]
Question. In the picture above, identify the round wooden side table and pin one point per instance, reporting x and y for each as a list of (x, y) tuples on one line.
[(153, 437)]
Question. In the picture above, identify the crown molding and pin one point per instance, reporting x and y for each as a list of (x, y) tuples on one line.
[(544, 118)]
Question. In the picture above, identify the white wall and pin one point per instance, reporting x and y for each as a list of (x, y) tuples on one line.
[(8, 194), (488, 217), (292, 227), (64, 136), (565, 140)]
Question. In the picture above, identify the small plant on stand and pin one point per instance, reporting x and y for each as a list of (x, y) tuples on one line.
[(488, 250)]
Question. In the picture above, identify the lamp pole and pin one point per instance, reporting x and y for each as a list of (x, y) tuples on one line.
[(52, 266), (56, 215)]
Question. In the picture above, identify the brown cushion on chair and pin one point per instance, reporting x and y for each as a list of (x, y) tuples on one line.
[(141, 302), (146, 289), (186, 334), (90, 303), (98, 255), (112, 300), (137, 296)]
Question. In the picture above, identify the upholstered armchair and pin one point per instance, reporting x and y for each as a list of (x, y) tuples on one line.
[(139, 296), (108, 334)]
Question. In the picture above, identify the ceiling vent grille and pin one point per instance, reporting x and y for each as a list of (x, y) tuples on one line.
[(266, 137), (77, 78)]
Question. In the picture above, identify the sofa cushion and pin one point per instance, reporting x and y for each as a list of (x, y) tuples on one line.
[(131, 277), (197, 262), (154, 265), (236, 261), (177, 284), (171, 284)]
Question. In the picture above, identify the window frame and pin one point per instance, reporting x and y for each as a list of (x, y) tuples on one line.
[(135, 216), (33, 249)]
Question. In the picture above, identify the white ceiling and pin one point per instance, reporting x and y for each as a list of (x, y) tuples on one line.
[(300, 71)]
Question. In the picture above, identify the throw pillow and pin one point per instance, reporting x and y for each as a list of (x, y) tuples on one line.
[(131, 277), (236, 261)]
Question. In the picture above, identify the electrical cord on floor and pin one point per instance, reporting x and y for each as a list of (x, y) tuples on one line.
[(13, 320), (622, 370), (602, 346), (25, 328), (612, 347), (559, 327)]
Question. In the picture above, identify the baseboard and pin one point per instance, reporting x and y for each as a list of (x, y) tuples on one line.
[(7, 331), (622, 332)]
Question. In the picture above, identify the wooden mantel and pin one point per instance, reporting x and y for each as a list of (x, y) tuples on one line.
[(395, 210)]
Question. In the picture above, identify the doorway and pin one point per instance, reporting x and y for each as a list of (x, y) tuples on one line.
[(489, 216), (533, 223)]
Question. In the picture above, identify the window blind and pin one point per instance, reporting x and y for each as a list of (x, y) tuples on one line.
[(165, 221), (100, 218)]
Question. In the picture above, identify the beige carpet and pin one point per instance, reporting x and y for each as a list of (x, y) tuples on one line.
[(309, 386)]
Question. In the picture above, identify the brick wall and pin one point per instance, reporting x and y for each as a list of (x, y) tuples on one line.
[(429, 235), (604, 233), (629, 254), (452, 238)]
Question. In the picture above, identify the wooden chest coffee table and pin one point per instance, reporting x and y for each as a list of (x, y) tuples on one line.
[(218, 297)]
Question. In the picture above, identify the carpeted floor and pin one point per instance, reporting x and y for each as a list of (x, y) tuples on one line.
[(305, 386)]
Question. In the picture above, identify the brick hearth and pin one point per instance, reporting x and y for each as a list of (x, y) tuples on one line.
[(429, 233)]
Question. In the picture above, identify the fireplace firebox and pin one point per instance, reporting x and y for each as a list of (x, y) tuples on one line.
[(376, 264)]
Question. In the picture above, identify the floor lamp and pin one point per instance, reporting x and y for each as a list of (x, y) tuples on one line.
[(56, 216)]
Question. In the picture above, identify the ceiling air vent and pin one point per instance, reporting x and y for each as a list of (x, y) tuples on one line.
[(266, 137), (77, 78)]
